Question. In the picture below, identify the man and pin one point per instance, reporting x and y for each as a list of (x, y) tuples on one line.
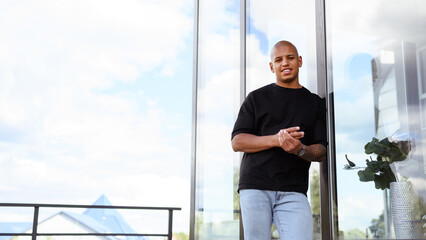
[(281, 130)]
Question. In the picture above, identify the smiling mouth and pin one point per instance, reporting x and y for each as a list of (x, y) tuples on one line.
[(286, 71)]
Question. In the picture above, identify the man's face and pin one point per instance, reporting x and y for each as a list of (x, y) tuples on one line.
[(285, 63)]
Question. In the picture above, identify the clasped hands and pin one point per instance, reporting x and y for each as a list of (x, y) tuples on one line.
[(289, 139)]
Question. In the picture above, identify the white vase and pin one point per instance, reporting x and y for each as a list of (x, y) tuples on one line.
[(403, 211)]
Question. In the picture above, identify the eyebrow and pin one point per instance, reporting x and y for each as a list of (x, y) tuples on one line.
[(288, 55)]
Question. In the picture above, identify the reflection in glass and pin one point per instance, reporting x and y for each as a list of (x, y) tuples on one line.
[(378, 76), (216, 200)]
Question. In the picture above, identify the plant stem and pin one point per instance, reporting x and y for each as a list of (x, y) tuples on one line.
[(395, 173)]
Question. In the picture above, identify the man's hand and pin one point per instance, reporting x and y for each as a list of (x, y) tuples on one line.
[(289, 139)]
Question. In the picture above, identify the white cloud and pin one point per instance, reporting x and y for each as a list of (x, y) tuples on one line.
[(357, 210), (258, 71), (218, 52), (71, 49), (395, 21), (96, 40), (69, 132), (152, 190), (271, 18), (215, 16), (360, 109), (220, 107)]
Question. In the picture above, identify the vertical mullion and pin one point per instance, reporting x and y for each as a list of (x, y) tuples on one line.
[(194, 121), (325, 89), (243, 48), (243, 61)]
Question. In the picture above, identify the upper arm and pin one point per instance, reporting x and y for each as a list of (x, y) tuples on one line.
[(245, 122)]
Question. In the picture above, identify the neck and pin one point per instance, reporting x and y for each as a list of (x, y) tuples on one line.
[(292, 84)]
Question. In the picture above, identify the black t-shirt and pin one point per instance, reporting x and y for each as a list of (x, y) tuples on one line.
[(267, 110)]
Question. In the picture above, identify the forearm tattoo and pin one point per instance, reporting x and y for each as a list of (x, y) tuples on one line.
[(315, 153)]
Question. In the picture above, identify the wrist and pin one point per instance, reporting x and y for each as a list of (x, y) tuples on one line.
[(276, 140), (301, 151)]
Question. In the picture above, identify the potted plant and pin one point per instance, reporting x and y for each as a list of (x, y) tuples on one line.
[(383, 172), (380, 170)]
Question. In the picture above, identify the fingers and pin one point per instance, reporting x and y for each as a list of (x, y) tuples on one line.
[(297, 135), (290, 137), (289, 141), (294, 132), (292, 129)]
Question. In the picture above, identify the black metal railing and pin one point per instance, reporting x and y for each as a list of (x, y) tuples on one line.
[(37, 207)]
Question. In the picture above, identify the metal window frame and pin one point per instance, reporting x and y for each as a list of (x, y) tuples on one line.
[(194, 122), (328, 189), (243, 70)]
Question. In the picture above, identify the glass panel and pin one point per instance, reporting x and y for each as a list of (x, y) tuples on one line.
[(216, 203), (377, 49), (268, 23), (271, 22)]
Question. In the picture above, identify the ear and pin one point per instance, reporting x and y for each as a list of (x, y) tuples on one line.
[(271, 66), (300, 61)]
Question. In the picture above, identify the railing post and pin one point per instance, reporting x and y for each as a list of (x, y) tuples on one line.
[(170, 234), (35, 223)]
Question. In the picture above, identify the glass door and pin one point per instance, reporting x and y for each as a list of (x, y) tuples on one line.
[(267, 23), (376, 63)]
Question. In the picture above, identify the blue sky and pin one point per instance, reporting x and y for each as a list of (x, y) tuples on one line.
[(96, 99)]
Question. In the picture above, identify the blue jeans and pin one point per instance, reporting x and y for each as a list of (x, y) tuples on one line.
[(290, 212)]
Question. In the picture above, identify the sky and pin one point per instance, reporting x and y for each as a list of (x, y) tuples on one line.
[(95, 98)]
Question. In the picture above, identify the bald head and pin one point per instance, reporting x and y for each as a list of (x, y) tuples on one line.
[(282, 44)]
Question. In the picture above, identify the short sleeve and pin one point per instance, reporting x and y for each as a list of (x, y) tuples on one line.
[(245, 122), (320, 132)]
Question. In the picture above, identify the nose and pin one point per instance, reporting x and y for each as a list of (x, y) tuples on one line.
[(285, 62)]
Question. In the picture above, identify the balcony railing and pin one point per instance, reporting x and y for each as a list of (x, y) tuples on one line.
[(37, 207)]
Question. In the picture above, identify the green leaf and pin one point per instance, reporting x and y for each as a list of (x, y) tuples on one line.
[(366, 175), (377, 147), (388, 151), (381, 183), (388, 173), (395, 154), (384, 178), (373, 166), (385, 142)]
